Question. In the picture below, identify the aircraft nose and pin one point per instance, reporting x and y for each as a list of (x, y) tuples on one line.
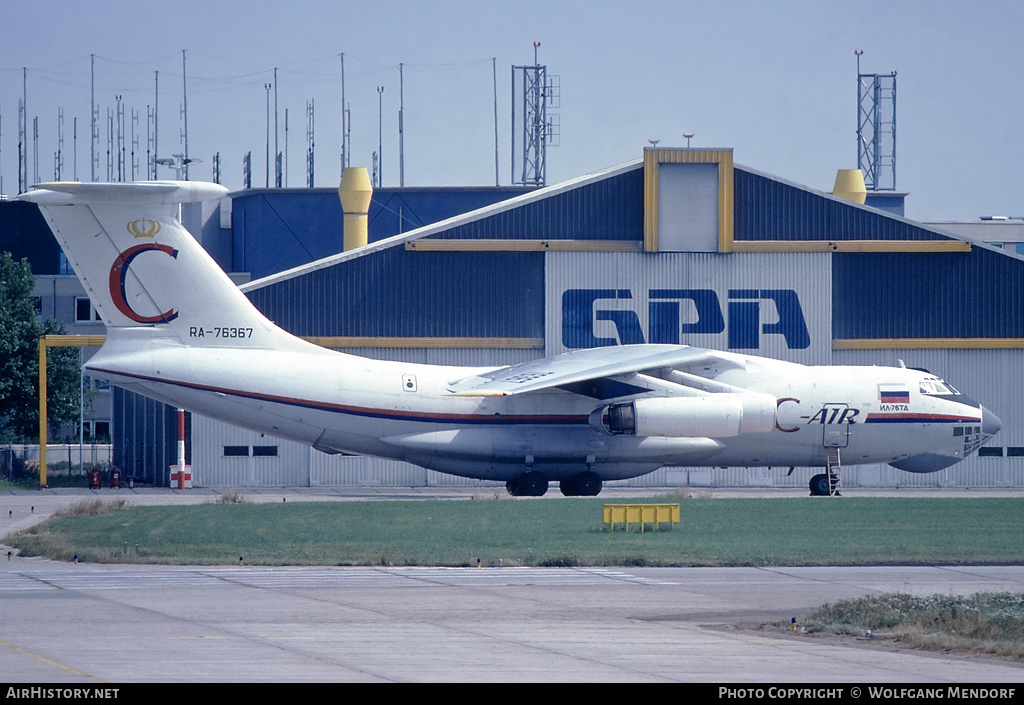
[(990, 423)]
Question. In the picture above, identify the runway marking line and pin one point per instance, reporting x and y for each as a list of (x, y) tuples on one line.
[(69, 669)]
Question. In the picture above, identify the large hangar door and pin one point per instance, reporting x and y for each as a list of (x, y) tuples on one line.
[(688, 196)]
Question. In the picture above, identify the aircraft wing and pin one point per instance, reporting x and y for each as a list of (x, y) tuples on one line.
[(579, 366)]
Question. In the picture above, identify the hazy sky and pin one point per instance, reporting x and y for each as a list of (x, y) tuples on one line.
[(776, 81)]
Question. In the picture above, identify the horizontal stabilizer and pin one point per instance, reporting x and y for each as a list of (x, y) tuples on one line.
[(149, 192)]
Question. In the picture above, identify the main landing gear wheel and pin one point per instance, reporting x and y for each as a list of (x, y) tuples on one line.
[(531, 484), (586, 484), (819, 485)]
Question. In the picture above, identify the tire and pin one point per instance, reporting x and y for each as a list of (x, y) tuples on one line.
[(588, 484), (532, 484), (820, 486)]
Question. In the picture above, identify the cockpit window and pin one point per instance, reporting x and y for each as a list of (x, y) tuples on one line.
[(936, 387)]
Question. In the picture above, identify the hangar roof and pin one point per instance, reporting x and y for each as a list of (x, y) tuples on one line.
[(913, 281)]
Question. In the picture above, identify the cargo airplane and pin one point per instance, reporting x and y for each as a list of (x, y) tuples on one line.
[(179, 331)]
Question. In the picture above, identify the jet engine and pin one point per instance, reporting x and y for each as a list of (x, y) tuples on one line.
[(713, 416)]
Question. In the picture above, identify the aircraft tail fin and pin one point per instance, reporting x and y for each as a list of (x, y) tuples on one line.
[(143, 269)]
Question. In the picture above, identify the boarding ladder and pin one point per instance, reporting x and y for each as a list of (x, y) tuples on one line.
[(835, 475)]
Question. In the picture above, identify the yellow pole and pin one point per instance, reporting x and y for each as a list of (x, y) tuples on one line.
[(45, 342), (42, 412)]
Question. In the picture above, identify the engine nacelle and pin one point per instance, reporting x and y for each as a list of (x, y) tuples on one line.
[(712, 416)]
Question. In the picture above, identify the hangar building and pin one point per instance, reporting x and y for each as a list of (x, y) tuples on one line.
[(680, 246)]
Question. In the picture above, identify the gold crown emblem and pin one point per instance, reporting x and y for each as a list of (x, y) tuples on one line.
[(143, 227)]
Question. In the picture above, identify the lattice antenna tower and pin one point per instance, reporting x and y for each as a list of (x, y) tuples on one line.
[(876, 128), (23, 134), (135, 146), (122, 166), (538, 128), (35, 149), (309, 144), (150, 143), (22, 149), (247, 170), (58, 156), (111, 150)]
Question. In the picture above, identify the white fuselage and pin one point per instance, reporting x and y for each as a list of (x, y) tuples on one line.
[(405, 411)]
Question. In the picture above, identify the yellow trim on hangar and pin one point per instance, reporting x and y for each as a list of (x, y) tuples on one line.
[(850, 246), (926, 343)]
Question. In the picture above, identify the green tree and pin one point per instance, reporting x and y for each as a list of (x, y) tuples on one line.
[(20, 331)]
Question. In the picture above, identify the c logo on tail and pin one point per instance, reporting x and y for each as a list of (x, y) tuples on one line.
[(119, 271)]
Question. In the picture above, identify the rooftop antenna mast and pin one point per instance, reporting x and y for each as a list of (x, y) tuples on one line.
[(58, 158), (309, 144), (23, 134), (35, 149), (401, 133), (539, 128), (876, 128), (345, 127), (379, 181), (494, 78), (120, 154), (156, 113), (277, 152), (135, 144), (94, 112), (110, 144), (184, 112)]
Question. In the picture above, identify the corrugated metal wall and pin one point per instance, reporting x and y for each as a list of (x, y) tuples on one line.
[(398, 292), (399, 210), (25, 234), (976, 294), (144, 435), (278, 229), (769, 208), (607, 209)]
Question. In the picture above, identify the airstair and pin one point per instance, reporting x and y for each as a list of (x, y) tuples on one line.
[(835, 475)]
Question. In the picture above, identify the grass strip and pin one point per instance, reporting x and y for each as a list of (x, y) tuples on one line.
[(984, 623), (541, 532)]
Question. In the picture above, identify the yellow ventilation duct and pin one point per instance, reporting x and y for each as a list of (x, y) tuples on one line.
[(850, 185), (355, 192)]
